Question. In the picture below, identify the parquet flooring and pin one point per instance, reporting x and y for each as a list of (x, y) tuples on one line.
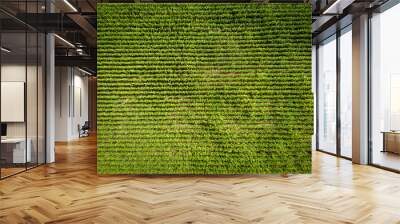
[(10, 171), (70, 191)]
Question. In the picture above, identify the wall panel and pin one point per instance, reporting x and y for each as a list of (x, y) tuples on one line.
[(204, 88)]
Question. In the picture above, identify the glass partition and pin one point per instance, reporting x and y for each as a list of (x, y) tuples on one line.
[(14, 153), (385, 89), (41, 97), (346, 92), (327, 95), (22, 91), (31, 98)]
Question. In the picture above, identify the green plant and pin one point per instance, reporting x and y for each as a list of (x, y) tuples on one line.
[(204, 88)]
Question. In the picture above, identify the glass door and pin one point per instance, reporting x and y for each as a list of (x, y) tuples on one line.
[(327, 95)]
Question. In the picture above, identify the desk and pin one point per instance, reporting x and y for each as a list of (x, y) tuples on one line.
[(391, 141), (16, 147)]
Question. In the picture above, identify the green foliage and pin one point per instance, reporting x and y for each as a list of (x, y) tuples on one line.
[(204, 88)]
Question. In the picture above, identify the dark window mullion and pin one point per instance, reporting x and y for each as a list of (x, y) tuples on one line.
[(26, 86), (317, 97), (0, 93), (37, 90), (369, 79), (338, 74)]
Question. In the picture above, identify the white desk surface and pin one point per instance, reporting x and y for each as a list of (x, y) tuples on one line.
[(13, 140)]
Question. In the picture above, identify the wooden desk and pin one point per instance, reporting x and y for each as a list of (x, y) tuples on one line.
[(391, 141)]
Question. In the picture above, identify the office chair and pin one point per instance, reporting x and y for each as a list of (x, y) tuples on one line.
[(84, 130)]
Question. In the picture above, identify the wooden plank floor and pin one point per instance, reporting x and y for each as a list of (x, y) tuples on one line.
[(70, 191)]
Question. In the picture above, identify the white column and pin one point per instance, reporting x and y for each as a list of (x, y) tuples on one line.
[(50, 94), (314, 90), (360, 90)]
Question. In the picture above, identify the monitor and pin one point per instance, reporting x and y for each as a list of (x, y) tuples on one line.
[(3, 129)]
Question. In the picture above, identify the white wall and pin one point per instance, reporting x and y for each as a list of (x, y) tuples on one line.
[(81, 108), (71, 102), (33, 127), (10, 73), (62, 82), (13, 72), (314, 90)]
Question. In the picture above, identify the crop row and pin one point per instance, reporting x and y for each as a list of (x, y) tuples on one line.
[(220, 29), (188, 101), (196, 131), (156, 94), (204, 63), (233, 79), (199, 106), (212, 48), (210, 53), (281, 70), (151, 139), (168, 10), (273, 48), (222, 39), (187, 84), (200, 81), (154, 114), (211, 160), (140, 13), (193, 129), (262, 67), (242, 18), (190, 34), (197, 151), (160, 115), (252, 121), (188, 60), (211, 43)]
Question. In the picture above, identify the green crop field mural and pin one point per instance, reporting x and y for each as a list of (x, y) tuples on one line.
[(204, 88)]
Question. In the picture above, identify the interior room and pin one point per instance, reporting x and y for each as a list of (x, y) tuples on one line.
[(209, 111), (72, 106), (22, 103), (385, 88)]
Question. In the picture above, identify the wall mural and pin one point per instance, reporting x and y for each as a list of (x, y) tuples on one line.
[(204, 88)]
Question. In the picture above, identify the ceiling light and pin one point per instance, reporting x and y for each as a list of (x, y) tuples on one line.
[(70, 5), (338, 6), (84, 71), (65, 41), (5, 50)]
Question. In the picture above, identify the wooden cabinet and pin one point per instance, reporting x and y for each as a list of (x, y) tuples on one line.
[(391, 142)]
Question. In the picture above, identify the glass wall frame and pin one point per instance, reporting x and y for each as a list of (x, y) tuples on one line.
[(384, 88), (327, 99), (345, 92), (22, 68), (374, 133), (339, 106)]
